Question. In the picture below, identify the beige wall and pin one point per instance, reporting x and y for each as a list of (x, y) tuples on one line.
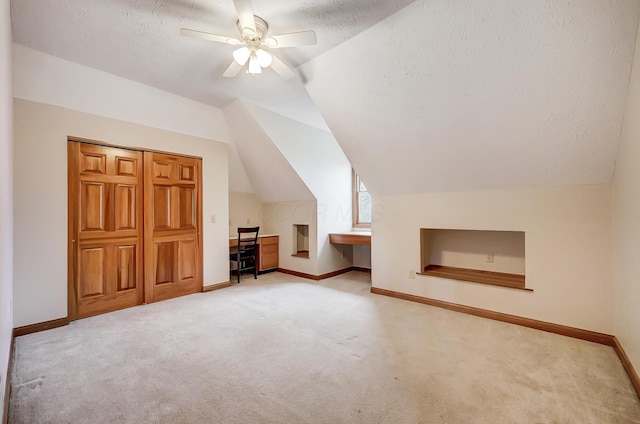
[(469, 249), (362, 256), (40, 203), (245, 210), (280, 218), (316, 157), (6, 195), (626, 219), (567, 243)]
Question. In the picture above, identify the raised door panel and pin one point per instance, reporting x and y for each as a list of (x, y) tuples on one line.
[(162, 170), (187, 259), (187, 173), (92, 206), (165, 265), (92, 276), (161, 205), (126, 166), (125, 207), (186, 208), (127, 267), (93, 162)]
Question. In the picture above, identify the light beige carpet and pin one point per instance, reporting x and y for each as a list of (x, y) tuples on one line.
[(287, 350)]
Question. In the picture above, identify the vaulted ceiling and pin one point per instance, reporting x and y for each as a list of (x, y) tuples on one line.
[(468, 95), (140, 40), (426, 95)]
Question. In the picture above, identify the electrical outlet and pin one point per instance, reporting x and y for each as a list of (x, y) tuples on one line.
[(213, 219), (412, 273), (248, 221), (489, 257)]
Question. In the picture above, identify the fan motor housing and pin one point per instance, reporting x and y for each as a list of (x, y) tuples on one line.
[(261, 30)]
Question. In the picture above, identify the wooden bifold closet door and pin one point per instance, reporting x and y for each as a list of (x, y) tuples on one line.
[(173, 246), (134, 227)]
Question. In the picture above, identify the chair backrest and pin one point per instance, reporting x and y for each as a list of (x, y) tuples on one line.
[(247, 238)]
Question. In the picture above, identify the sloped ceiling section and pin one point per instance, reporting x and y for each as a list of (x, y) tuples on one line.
[(272, 177), (314, 154), (466, 95)]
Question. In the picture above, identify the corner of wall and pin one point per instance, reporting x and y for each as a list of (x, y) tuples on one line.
[(6, 196), (626, 223)]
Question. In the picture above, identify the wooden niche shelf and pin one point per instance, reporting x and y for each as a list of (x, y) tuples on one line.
[(514, 281), (487, 257)]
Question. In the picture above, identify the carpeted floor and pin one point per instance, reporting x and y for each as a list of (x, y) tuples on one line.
[(287, 350)]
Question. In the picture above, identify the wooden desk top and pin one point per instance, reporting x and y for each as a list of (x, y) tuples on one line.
[(259, 236), (233, 241), (351, 237)]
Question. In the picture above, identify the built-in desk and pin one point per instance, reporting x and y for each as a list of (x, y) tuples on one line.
[(351, 237), (267, 251)]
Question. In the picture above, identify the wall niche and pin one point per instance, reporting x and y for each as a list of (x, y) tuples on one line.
[(479, 256), (301, 241)]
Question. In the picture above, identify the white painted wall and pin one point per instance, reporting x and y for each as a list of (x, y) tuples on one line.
[(280, 218), (568, 246), (317, 158), (6, 195), (272, 177), (469, 249), (40, 202), (245, 210), (626, 219), (362, 256), (239, 181), (43, 78)]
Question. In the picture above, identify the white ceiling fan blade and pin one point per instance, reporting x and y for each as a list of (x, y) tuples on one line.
[(210, 37), (281, 69), (245, 16), (232, 70), (292, 39)]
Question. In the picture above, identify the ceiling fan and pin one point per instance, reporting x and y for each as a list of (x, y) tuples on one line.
[(253, 38)]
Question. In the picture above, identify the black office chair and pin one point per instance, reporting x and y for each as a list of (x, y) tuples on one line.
[(245, 258)]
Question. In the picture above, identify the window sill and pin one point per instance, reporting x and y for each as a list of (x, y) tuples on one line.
[(302, 254), (500, 279)]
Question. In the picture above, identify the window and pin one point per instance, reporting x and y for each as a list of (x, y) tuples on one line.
[(361, 203)]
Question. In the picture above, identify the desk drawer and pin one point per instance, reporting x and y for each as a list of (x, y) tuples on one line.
[(269, 240), (269, 248), (269, 252), (269, 261)]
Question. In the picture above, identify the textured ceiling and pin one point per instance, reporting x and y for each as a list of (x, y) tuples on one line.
[(467, 95), (140, 40), (431, 95)]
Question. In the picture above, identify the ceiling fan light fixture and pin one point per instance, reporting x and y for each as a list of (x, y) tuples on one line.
[(264, 58), (241, 55), (254, 65), (253, 36)]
